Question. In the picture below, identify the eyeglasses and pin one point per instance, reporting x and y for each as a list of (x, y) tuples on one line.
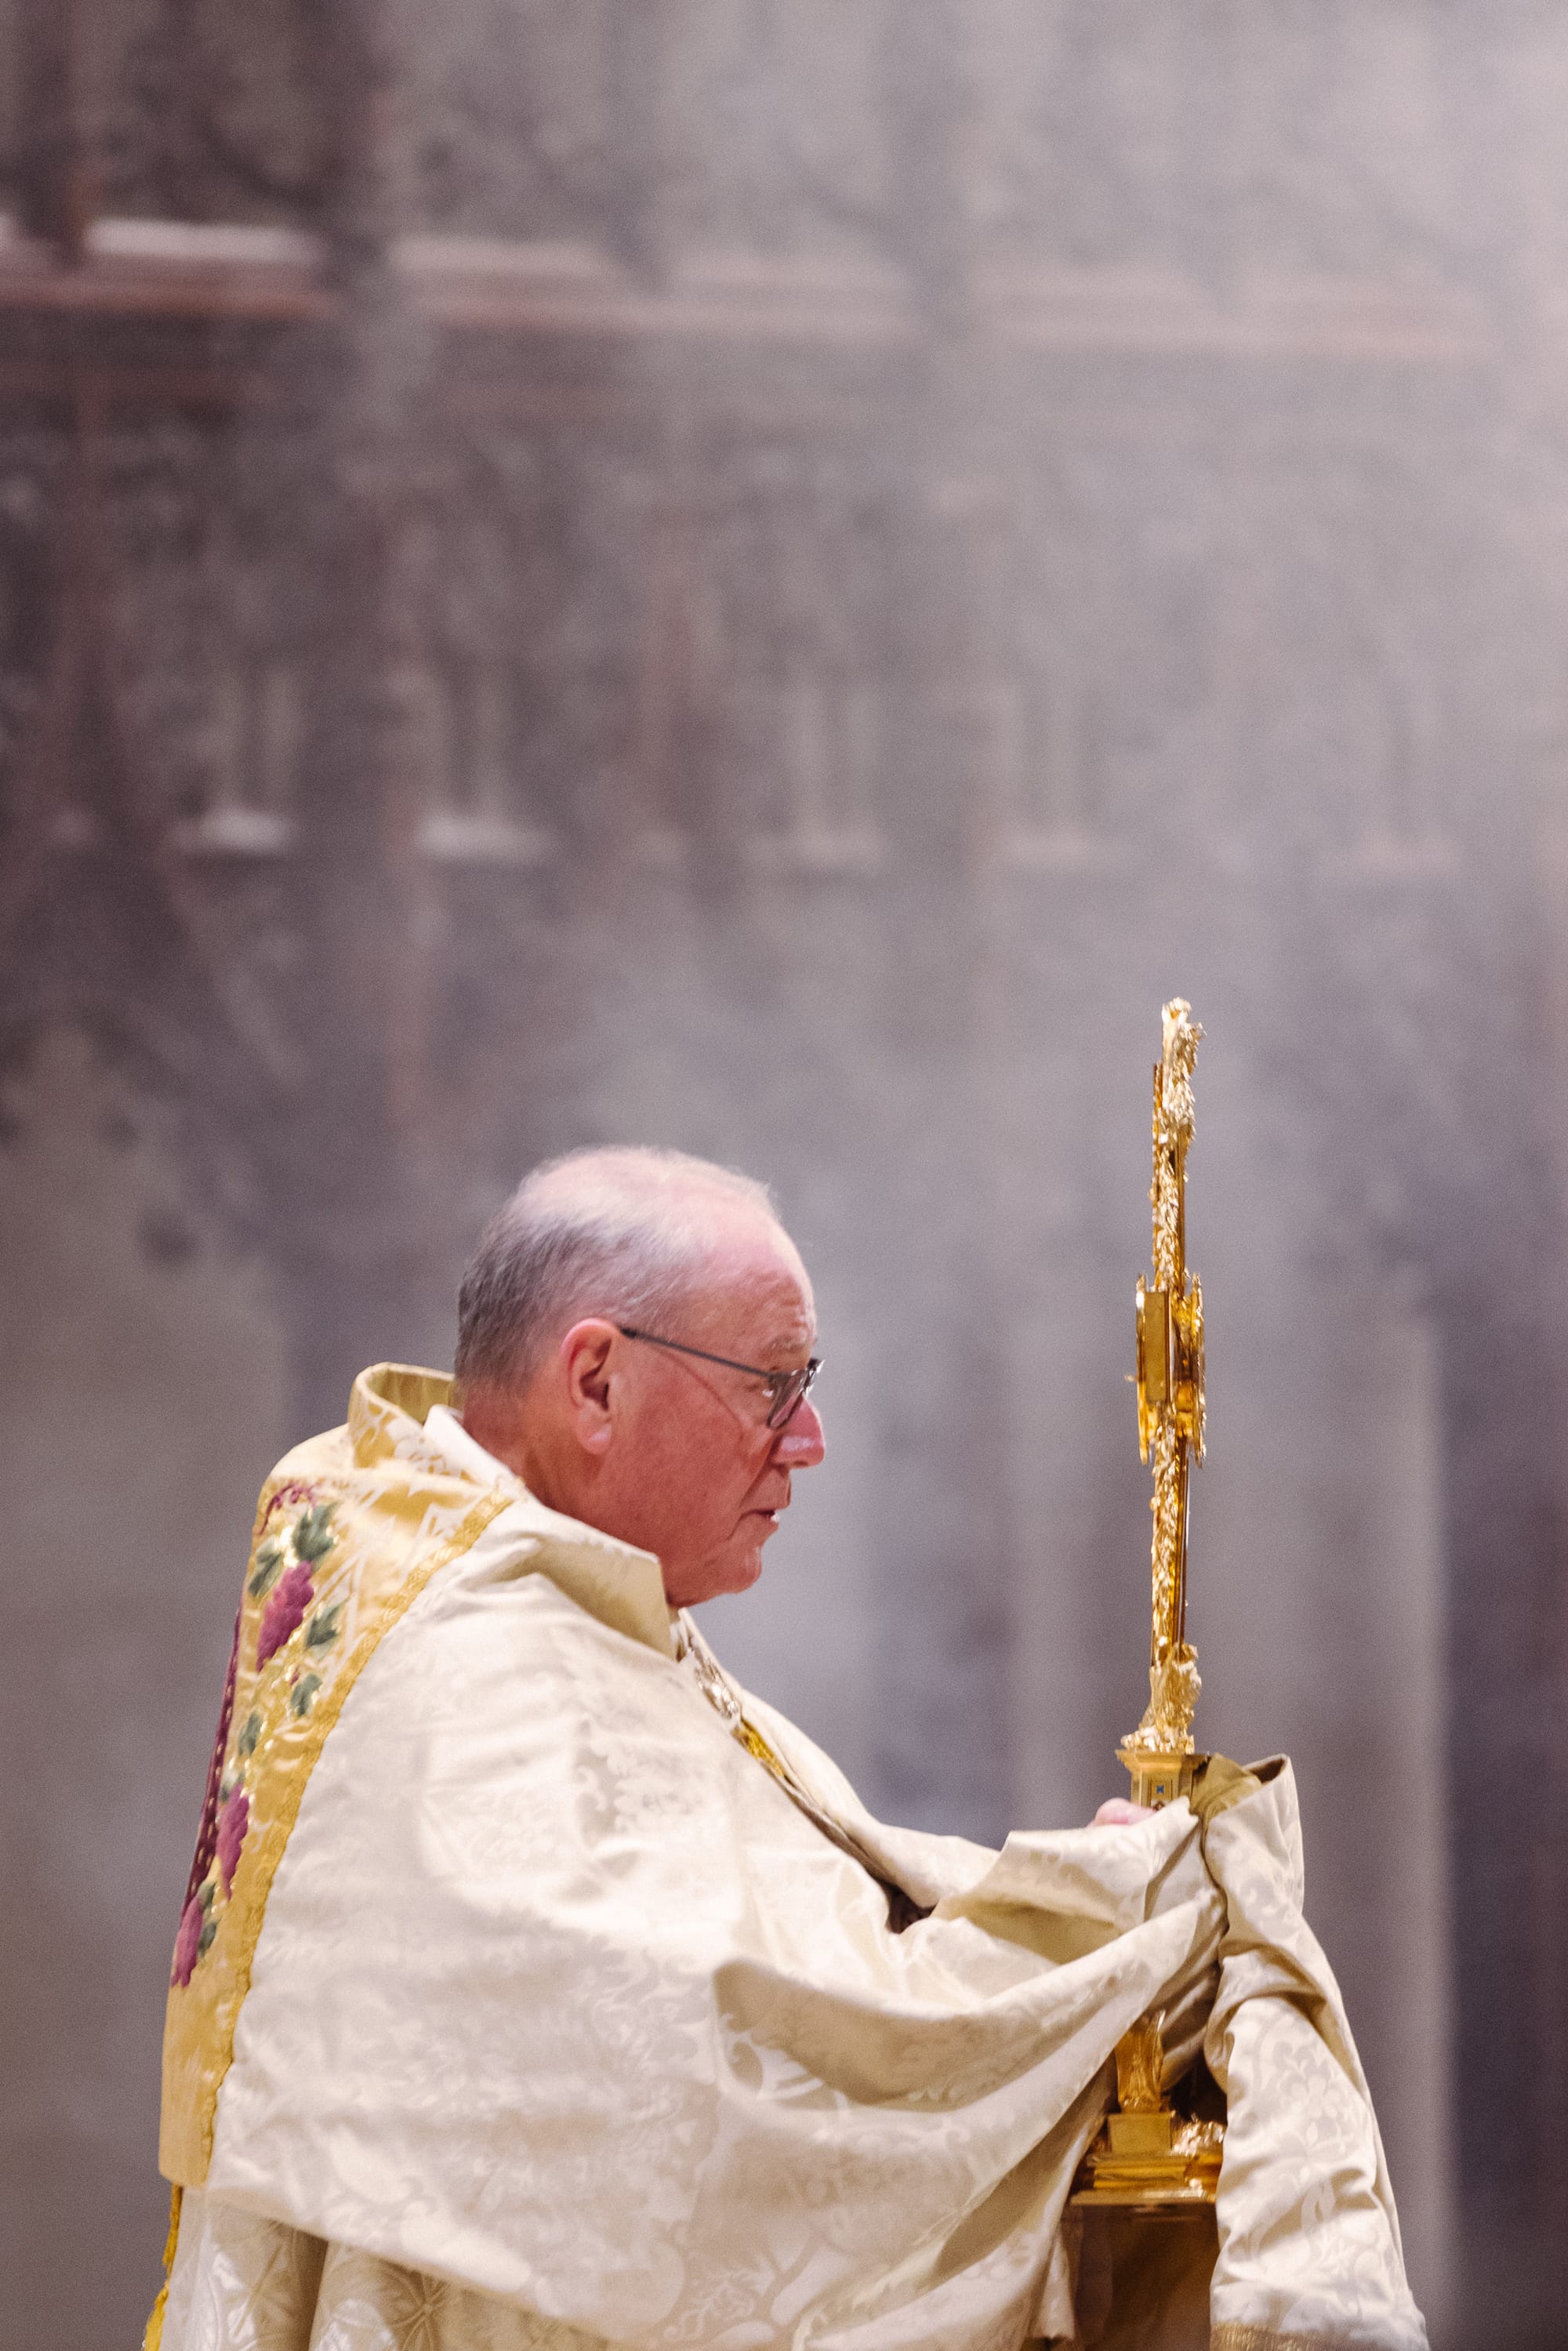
[(786, 1388)]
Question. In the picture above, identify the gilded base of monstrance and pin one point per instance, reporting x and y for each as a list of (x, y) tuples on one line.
[(1158, 1776)]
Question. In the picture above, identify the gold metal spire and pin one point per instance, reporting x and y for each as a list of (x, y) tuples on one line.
[(1150, 2155), (1159, 1754)]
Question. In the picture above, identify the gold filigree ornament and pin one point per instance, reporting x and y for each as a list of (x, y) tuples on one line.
[(1160, 1754), (1148, 2155)]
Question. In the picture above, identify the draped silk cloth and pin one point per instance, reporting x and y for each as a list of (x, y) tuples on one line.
[(562, 2025)]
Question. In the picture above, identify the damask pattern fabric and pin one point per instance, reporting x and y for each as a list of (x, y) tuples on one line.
[(566, 2025), (349, 1528)]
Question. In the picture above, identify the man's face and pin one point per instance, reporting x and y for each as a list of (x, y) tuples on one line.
[(694, 1473)]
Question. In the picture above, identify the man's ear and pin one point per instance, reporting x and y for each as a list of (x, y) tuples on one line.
[(585, 1360)]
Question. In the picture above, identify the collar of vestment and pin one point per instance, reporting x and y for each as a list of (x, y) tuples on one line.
[(619, 1585), (350, 1528), (410, 1413)]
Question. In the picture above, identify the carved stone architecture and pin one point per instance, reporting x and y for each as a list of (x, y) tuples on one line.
[(776, 578)]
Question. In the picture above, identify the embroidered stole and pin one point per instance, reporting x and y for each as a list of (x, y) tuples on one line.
[(350, 1528)]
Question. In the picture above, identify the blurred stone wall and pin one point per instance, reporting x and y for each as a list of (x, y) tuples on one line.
[(775, 578)]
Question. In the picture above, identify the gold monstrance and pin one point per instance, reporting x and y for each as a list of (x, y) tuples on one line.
[(1150, 2155), (1159, 1754)]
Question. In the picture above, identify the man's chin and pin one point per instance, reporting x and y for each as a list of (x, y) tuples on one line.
[(719, 1579), (743, 1571)]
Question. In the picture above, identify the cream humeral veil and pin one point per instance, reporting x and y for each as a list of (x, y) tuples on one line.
[(516, 2004)]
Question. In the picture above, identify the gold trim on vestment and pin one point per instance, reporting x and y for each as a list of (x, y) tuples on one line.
[(724, 1698), (152, 2333), (1229, 2336), (401, 1513)]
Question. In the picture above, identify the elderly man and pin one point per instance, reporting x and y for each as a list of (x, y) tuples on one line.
[(537, 1986)]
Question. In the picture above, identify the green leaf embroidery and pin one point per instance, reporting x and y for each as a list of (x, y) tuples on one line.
[(249, 1736), (269, 1560), (204, 1939), (205, 1894), (313, 1538), (324, 1626), (304, 1690)]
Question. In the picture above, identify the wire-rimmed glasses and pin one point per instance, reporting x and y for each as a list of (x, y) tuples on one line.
[(786, 1388)]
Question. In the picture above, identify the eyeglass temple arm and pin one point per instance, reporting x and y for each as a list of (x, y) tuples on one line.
[(679, 1347), (778, 1379)]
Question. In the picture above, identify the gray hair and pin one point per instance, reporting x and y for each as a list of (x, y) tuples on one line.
[(619, 1232)]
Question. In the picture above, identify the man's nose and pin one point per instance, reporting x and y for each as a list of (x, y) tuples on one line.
[(801, 1443)]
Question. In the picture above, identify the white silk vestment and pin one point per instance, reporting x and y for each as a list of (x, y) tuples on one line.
[(561, 2024)]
